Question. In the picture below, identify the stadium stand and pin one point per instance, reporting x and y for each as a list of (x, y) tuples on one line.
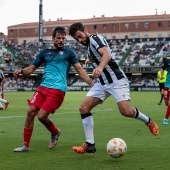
[(130, 54)]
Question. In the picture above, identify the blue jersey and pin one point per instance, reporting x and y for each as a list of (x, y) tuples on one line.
[(166, 66), (57, 64)]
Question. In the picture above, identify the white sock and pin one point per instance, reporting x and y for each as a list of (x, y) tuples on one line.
[(2, 100), (141, 116), (1, 106), (88, 125)]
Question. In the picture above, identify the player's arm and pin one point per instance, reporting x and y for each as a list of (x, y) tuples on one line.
[(3, 82), (83, 74), (2, 87), (25, 71), (106, 56)]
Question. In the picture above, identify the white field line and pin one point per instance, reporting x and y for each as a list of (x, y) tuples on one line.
[(9, 117)]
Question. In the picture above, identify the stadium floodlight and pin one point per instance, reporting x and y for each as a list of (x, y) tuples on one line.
[(41, 21)]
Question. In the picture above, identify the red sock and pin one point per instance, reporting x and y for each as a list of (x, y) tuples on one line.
[(53, 129), (27, 136), (2, 95), (167, 112)]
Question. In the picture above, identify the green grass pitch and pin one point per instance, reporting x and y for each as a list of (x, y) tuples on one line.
[(144, 151)]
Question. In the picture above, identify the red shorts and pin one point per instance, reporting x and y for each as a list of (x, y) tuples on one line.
[(47, 99), (166, 93)]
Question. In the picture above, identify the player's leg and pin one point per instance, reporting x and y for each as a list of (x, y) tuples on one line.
[(4, 101), (167, 103), (1, 106), (53, 100), (94, 97), (134, 112), (88, 124), (122, 96), (2, 95), (35, 103), (55, 132), (161, 92), (165, 120), (28, 129), (128, 111)]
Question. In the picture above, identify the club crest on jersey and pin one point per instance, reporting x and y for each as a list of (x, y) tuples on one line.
[(61, 53), (124, 96), (32, 100)]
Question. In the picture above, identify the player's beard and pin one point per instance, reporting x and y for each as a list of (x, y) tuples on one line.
[(85, 43), (57, 46)]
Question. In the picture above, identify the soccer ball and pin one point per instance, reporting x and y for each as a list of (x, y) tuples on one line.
[(116, 147)]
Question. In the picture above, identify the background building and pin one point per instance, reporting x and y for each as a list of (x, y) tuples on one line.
[(118, 28)]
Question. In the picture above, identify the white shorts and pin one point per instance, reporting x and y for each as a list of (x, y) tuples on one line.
[(119, 90)]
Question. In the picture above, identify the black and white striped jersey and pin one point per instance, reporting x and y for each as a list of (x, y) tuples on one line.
[(1, 76), (112, 71)]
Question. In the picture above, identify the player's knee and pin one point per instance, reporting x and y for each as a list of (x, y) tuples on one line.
[(41, 118), (127, 112), (83, 109), (31, 113), (80, 109)]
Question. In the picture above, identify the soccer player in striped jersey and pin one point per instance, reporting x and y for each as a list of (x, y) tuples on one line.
[(2, 82), (111, 80), (2, 100), (50, 94)]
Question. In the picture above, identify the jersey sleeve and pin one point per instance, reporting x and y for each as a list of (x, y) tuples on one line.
[(98, 41), (73, 58), (2, 74), (39, 59)]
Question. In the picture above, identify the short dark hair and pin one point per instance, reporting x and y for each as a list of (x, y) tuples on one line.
[(78, 26), (60, 30)]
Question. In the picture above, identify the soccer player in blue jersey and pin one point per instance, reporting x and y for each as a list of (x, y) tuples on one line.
[(166, 66), (50, 94), (111, 80)]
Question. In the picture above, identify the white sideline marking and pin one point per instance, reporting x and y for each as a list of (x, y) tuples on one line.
[(5, 117), (8, 117)]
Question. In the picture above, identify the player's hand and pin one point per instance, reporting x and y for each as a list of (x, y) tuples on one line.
[(97, 72), (87, 62), (17, 72)]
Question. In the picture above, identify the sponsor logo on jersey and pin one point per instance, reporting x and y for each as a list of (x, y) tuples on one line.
[(61, 53)]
